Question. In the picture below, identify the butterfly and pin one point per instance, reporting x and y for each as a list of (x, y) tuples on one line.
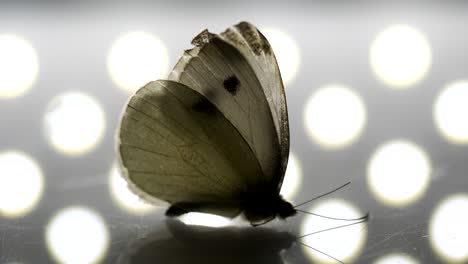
[(214, 136)]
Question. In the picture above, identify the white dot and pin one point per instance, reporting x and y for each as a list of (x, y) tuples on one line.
[(77, 235), (396, 258), (398, 173), (202, 219), (74, 123), (292, 178), (286, 52), (400, 56), (21, 184), (344, 243), (448, 229), (19, 66), (137, 58), (335, 116), (451, 110), (124, 197)]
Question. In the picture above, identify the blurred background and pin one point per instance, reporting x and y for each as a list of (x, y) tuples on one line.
[(377, 93)]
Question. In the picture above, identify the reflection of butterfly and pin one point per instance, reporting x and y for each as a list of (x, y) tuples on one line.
[(214, 138), (199, 244)]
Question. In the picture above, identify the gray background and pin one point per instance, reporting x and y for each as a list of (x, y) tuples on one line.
[(73, 38)]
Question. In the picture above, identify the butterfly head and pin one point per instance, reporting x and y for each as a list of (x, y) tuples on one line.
[(285, 209), (263, 206)]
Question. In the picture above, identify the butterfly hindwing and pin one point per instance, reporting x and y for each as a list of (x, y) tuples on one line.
[(177, 146)]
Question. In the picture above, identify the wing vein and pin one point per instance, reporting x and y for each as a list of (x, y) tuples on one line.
[(208, 57), (187, 131), (147, 150)]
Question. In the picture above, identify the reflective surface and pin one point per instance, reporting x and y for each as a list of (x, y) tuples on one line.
[(394, 125)]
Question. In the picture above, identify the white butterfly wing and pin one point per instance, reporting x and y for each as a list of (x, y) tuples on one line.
[(208, 69), (259, 53), (176, 146)]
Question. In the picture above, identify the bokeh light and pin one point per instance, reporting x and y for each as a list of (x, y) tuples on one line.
[(77, 235), (335, 116), (400, 56), (448, 229), (451, 112), (344, 243), (292, 178), (286, 51), (201, 219), (137, 58), (124, 197), (396, 258), (21, 184), (398, 173), (74, 123), (19, 66)]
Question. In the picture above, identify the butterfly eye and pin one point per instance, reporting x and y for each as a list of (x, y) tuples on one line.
[(231, 85)]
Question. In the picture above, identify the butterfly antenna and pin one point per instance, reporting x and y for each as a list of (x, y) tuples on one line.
[(360, 220), (321, 252), (322, 195), (365, 217)]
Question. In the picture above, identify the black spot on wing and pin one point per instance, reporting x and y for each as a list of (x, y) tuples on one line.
[(203, 105), (231, 85)]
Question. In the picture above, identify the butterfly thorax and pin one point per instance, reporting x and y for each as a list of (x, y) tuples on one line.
[(264, 205)]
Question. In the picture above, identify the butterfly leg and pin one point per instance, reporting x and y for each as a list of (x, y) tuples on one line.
[(179, 209), (262, 223)]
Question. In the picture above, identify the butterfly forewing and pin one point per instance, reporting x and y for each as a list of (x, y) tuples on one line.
[(177, 146), (259, 53), (218, 69)]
